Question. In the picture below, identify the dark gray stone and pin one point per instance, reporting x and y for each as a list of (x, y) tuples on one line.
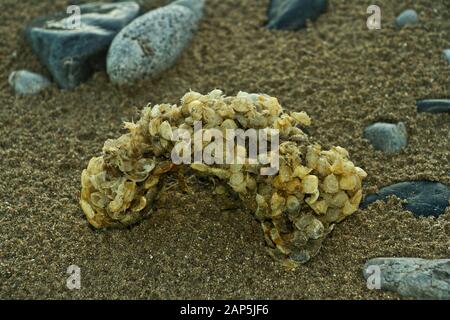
[(433, 105), (153, 42), (73, 54), (28, 83), (387, 137), (407, 17), (411, 277), (424, 198), (293, 14)]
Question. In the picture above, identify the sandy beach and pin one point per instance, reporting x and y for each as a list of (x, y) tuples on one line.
[(198, 245)]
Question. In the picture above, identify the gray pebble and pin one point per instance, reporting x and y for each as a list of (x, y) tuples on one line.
[(27, 83), (433, 105), (387, 137), (293, 14), (423, 198), (153, 42), (407, 17), (411, 277)]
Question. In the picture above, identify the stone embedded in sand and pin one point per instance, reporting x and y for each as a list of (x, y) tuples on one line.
[(196, 6), (407, 17), (411, 277), (71, 53), (387, 137), (28, 83), (297, 205), (433, 105), (293, 14), (153, 42), (424, 198)]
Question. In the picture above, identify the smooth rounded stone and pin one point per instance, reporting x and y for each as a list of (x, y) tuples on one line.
[(293, 14), (447, 54), (28, 83), (411, 277), (153, 42), (433, 105), (387, 137), (73, 54), (424, 198), (407, 17)]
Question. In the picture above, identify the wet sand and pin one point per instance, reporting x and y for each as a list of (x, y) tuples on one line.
[(198, 245)]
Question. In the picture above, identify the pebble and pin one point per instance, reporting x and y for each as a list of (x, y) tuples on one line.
[(424, 198), (28, 83), (411, 277), (293, 14), (71, 53), (407, 17), (153, 42), (387, 137), (433, 105), (447, 54)]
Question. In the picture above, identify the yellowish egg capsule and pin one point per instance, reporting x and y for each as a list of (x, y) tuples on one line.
[(298, 204)]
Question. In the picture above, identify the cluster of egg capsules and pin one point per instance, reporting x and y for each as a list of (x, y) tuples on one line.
[(297, 206)]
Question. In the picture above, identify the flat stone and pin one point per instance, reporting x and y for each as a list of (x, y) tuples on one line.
[(196, 6), (407, 17), (411, 277), (28, 83), (71, 53), (424, 198), (153, 42), (433, 105), (387, 137), (293, 14)]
